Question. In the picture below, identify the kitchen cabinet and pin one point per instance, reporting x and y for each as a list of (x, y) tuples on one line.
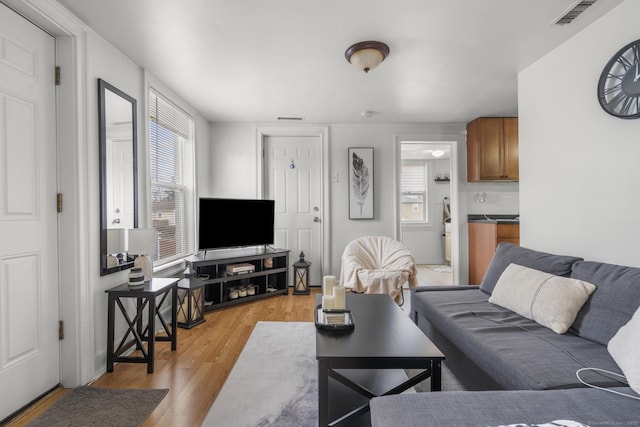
[(483, 240), (492, 149)]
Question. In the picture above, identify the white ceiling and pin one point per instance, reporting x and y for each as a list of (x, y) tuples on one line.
[(254, 60), (415, 150)]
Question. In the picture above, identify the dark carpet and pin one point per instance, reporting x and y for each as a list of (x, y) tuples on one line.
[(93, 406)]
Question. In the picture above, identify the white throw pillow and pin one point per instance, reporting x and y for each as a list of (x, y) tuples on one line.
[(624, 347), (550, 300)]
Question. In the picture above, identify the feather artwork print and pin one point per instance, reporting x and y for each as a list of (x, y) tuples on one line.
[(360, 165), (360, 176)]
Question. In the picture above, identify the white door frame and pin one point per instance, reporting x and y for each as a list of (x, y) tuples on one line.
[(455, 216), (76, 259), (322, 133)]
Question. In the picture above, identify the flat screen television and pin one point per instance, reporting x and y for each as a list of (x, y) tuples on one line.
[(229, 223)]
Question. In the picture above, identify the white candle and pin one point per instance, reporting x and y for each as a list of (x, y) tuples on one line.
[(339, 298), (327, 302), (328, 283)]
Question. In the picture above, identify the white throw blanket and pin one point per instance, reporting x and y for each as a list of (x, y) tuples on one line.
[(378, 265)]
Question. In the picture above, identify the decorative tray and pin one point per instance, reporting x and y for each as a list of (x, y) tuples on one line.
[(334, 320)]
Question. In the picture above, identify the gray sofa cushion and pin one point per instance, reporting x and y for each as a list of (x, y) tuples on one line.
[(613, 303), (516, 352), (491, 408), (507, 253)]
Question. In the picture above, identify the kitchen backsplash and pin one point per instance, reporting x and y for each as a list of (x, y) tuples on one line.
[(493, 198)]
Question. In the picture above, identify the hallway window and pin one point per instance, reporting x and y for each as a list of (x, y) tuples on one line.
[(413, 182), (171, 144)]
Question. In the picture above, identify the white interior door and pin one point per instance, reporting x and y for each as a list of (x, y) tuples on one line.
[(120, 175), (29, 346), (293, 179)]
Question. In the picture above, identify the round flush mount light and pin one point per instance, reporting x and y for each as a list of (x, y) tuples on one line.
[(437, 153), (367, 55)]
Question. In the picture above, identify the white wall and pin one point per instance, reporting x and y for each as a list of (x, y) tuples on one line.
[(203, 169), (233, 160), (105, 62), (579, 167), (233, 163)]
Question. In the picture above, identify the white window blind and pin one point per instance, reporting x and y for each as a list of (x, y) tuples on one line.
[(413, 184), (172, 189), (413, 178)]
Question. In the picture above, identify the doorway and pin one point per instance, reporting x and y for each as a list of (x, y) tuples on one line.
[(427, 207), (292, 175)]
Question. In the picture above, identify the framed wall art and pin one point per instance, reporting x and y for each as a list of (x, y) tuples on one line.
[(361, 183)]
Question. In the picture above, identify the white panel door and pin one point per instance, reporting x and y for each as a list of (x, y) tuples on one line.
[(293, 180), (29, 346)]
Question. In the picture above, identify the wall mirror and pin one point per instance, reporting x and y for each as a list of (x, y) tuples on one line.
[(118, 175)]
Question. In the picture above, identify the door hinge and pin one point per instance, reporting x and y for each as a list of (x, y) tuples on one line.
[(59, 202), (61, 329), (57, 75)]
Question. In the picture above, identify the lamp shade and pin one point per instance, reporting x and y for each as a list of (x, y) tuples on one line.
[(115, 241), (142, 241)]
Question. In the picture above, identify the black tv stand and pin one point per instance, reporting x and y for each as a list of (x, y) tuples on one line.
[(269, 277)]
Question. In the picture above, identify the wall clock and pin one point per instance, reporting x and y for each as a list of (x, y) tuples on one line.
[(619, 84)]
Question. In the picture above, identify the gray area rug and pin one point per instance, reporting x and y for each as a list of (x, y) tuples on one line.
[(274, 382), (95, 406)]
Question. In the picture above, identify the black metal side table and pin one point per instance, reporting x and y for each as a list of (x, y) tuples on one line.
[(146, 298)]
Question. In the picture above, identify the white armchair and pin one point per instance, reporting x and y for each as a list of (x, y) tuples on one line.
[(378, 265)]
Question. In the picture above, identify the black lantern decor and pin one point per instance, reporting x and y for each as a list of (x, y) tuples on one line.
[(190, 302), (301, 276)]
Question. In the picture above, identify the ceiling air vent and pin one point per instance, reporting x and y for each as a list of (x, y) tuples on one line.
[(574, 12), (286, 118)]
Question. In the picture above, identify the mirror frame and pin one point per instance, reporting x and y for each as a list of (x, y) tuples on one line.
[(103, 86)]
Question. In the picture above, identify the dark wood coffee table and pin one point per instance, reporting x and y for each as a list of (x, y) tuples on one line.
[(361, 361)]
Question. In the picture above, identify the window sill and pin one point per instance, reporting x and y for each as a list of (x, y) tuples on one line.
[(170, 268)]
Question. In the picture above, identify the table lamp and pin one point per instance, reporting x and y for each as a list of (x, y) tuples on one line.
[(115, 246), (142, 242)]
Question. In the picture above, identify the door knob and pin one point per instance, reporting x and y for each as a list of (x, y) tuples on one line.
[(116, 221), (316, 219)]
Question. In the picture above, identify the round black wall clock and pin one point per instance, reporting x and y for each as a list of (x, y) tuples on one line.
[(619, 84)]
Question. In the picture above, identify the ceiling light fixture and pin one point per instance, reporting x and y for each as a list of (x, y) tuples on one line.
[(367, 55), (437, 153)]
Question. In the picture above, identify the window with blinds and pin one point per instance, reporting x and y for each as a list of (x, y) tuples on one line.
[(172, 184), (413, 184)]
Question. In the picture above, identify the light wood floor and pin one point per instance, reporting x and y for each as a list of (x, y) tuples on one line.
[(196, 371)]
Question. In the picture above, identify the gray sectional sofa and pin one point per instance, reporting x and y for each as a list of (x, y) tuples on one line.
[(523, 372)]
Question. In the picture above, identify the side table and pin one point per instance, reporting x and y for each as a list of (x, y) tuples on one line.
[(146, 297)]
